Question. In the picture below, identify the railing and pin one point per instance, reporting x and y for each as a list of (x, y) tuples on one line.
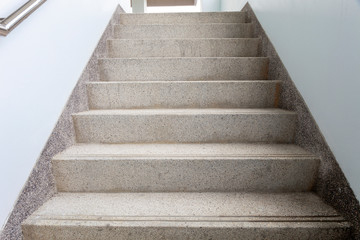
[(9, 23)]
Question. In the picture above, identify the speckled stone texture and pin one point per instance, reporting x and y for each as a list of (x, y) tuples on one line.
[(183, 94), (40, 184), (179, 215), (182, 18), (183, 69), (185, 126), (218, 30), (197, 47), (332, 185), (220, 216), (184, 167)]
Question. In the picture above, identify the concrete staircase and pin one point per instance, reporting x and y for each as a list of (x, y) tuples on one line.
[(184, 140)]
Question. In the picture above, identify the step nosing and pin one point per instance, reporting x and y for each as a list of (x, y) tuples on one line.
[(183, 39), (180, 58), (268, 157), (201, 216), (189, 24), (185, 82), (183, 13), (182, 112), (230, 150), (100, 218)]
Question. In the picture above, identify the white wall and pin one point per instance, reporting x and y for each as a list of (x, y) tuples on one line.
[(319, 43), (40, 63), (7, 7), (231, 5), (210, 5)]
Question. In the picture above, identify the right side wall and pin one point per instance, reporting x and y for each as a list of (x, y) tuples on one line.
[(318, 42)]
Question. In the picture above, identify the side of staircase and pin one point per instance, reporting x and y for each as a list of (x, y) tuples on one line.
[(184, 140)]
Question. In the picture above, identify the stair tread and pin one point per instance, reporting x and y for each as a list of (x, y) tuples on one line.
[(213, 150), (198, 207), (187, 111)]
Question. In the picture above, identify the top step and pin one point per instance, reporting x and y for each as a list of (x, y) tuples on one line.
[(182, 18)]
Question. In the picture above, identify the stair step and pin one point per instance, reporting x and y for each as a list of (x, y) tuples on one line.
[(197, 47), (217, 30), (185, 125), (184, 167), (183, 69), (182, 18), (183, 94), (111, 216), (183, 140)]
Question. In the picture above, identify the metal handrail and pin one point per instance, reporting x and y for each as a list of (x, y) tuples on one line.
[(9, 23)]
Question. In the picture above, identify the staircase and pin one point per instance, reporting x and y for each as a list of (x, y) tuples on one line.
[(184, 140)]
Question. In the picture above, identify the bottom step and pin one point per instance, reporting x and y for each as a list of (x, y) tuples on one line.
[(213, 216)]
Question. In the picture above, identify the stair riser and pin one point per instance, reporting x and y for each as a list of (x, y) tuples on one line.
[(249, 231), (182, 18), (183, 69), (241, 30), (182, 128), (191, 175), (236, 94), (247, 47)]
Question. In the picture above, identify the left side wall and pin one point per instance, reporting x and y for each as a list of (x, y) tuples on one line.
[(40, 65)]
